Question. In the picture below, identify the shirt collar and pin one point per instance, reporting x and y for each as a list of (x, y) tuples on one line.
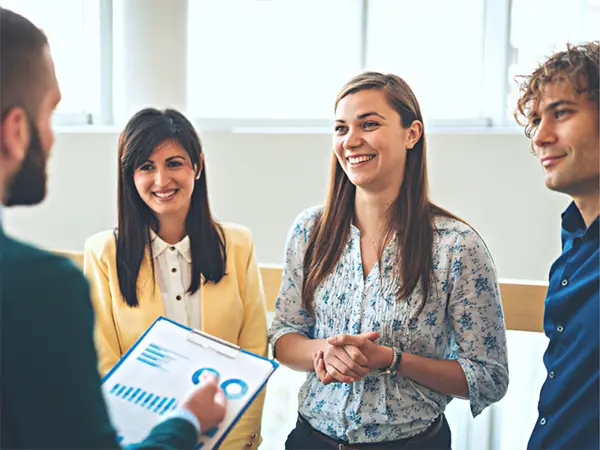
[(573, 223), (159, 246)]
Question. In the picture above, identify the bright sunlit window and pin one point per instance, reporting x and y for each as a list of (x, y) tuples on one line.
[(540, 27), (73, 30), (436, 46), (270, 59)]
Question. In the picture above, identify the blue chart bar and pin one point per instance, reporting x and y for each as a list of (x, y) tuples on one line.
[(167, 406), (145, 402), (151, 405), (140, 397), (134, 394), (162, 402), (127, 392), (158, 356), (152, 402)]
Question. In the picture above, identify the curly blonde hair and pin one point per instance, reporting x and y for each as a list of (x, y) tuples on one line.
[(578, 64)]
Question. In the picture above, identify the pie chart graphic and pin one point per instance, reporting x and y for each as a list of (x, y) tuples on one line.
[(198, 373), (234, 388)]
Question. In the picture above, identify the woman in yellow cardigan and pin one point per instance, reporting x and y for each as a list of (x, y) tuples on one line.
[(169, 257)]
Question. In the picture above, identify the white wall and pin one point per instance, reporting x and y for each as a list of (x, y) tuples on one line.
[(264, 180)]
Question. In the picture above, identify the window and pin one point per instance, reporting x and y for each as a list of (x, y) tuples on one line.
[(73, 30), (270, 59), (540, 27), (440, 55), (281, 62)]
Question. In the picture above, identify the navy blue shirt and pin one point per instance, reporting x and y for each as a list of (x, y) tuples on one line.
[(569, 399)]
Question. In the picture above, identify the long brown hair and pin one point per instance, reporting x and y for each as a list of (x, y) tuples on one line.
[(144, 132), (410, 216)]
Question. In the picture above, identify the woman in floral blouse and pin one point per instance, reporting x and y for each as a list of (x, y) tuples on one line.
[(390, 302)]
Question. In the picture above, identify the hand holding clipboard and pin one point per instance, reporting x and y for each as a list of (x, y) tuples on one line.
[(161, 368)]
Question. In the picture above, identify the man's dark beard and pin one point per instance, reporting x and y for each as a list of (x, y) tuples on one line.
[(28, 187)]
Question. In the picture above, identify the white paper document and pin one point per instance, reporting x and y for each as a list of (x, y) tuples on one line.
[(162, 368)]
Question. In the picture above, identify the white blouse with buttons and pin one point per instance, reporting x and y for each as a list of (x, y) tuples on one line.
[(173, 268)]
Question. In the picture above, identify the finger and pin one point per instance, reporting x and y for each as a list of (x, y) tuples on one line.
[(319, 367), (371, 335), (355, 370), (327, 379), (220, 398), (323, 376), (347, 339), (316, 363), (356, 355), (338, 357), (336, 374), (209, 378)]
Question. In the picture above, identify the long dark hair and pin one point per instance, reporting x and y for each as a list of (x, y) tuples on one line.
[(144, 132), (410, 217)]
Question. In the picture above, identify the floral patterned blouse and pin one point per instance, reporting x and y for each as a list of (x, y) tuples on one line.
[(462, 320)]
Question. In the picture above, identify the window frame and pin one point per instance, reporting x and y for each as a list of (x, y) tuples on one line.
[(105, 114)]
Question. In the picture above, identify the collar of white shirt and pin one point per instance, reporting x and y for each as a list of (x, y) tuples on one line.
[(159, 246)]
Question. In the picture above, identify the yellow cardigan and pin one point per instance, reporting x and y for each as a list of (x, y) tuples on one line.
[(234, 310)]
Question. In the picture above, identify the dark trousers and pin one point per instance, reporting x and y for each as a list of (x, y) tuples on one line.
[(305, 437)]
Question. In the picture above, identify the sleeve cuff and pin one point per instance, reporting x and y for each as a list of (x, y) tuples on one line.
[(185, 414)]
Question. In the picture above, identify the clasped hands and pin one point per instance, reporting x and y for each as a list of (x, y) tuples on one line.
[(348, 358)]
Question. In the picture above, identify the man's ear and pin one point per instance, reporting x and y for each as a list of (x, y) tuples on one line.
[(15, 136)]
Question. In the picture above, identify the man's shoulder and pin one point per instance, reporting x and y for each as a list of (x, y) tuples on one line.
[(24, 267)]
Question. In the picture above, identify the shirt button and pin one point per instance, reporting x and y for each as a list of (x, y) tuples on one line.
[(543, 421), (559, 328), (178, 297), (564, 282), (173, 270), (552, 374), (172, 249)]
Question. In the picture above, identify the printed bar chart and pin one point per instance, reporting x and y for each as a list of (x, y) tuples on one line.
[(159, 357), (147, 400)]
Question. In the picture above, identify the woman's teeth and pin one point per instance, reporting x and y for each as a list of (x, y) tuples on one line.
[(165, 194), (360, 159)]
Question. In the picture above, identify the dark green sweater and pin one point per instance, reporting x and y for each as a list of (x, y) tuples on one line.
[(50, 387)]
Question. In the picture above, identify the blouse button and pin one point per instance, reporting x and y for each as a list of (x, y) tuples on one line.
[(178, 297), (173, 270), (172, 249)]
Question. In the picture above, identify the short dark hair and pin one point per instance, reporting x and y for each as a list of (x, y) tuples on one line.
[(578, 65), (23, 71)]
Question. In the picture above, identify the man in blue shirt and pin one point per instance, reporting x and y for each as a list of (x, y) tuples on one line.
[(559, 108)]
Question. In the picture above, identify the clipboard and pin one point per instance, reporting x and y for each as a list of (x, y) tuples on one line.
[(165, 364)]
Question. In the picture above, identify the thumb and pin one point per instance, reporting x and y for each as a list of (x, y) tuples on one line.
[(209, 390), (220, 398), (371, 335)]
